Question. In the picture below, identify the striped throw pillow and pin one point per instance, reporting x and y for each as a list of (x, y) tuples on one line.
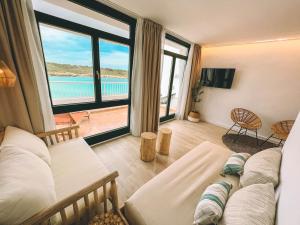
[(235, 164), (212, 203)]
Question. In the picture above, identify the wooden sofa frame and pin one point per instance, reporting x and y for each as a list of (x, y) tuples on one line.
[(43, 217)]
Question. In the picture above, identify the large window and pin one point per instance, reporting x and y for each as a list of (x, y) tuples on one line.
[(69, 61), (88, 51), (174, 62)]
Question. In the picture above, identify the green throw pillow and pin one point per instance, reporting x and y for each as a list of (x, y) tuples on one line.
[(212, 203), (235, 164)]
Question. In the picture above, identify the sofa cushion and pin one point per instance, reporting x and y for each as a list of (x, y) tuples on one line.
[(26, 185), (252, 205), (27, 141), (261, 168), (74, 166)]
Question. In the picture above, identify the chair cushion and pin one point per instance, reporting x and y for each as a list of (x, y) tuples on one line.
[(252, 205), (27, 141), (261, 168), (26, 185), (212, 203)]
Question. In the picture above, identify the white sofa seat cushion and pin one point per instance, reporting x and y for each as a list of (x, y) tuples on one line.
[(74, 167), (26, 185), (172, 196), (27, 141)]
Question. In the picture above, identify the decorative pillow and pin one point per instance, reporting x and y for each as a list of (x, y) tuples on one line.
[(27, 141), (235, 164), (252, 205), (211, 205), (26, 185), (263, 167)]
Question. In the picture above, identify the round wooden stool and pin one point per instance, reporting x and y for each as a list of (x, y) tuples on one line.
[(164, 140), (148, 143)]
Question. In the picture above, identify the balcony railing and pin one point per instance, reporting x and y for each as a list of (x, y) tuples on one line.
[(63, 92)]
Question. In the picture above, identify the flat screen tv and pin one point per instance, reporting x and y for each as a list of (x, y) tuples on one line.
[(217, 77)]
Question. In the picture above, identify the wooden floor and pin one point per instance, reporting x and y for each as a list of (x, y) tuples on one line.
[(123, 154)]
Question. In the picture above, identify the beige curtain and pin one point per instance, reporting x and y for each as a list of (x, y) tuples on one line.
[(151, 82), (195, 75), (19, 106)]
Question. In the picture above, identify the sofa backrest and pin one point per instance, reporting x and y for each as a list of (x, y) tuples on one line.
[(289, 200)]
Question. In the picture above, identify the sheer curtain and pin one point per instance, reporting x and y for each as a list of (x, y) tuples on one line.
[(163, 39), (137, 81), (184, 88), (38, 63), (195, 75)]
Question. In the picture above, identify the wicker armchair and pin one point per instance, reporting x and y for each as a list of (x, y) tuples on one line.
[(280, 130), (245, 120)]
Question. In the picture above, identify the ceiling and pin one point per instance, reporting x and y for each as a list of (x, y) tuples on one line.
[(215, 22)]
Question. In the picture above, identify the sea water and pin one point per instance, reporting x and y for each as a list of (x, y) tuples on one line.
[(83, 86)]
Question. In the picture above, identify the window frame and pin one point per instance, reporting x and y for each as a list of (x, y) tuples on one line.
[(174, 56), (95, 35)]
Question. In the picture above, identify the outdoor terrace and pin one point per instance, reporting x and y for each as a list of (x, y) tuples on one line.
[(97, 121)]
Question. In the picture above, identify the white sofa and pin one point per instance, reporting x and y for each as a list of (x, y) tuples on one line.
[(172, 196), (76, 171)]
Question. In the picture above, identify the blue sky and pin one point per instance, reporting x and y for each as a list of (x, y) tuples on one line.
[(70, 48)]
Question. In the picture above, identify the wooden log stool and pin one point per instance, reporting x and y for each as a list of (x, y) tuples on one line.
[(164, 141), (148, 144)]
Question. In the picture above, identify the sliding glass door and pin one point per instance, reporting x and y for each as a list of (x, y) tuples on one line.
[(174, 62), (88, 72)]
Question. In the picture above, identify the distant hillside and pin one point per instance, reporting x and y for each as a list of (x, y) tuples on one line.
[(57, 69)]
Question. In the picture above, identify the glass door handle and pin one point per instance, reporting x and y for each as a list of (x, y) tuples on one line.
[(98, 74)]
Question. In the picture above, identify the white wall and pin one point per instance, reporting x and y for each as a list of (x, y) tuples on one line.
[(267, 82)]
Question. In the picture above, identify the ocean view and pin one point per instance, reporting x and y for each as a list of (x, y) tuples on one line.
[(65, 87), (70, 65)]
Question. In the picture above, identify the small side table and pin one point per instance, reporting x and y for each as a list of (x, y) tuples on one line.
[(148, 144), (164, 141)]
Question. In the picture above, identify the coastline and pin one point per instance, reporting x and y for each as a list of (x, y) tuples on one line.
[(85, 75)]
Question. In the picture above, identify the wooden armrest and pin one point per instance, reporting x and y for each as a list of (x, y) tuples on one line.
[(55, 136), (44, 216), (1, 136)]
